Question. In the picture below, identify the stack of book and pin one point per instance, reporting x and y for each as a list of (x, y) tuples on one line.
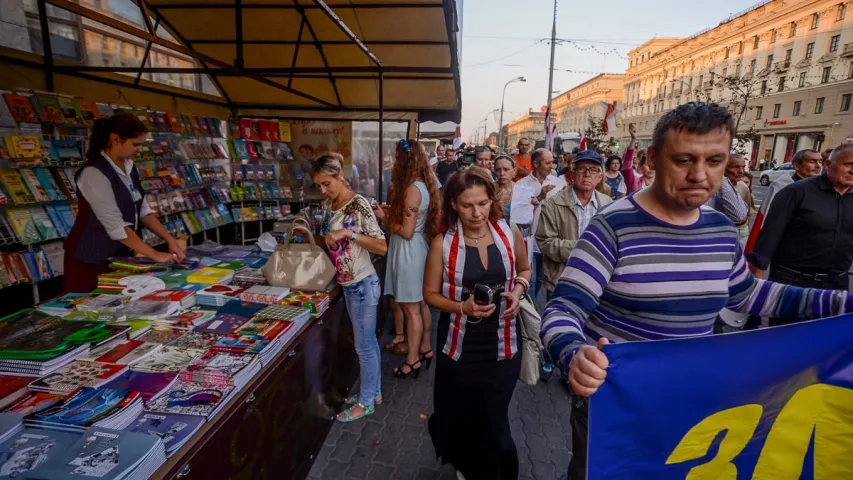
[(123, 352), (173, 429), (168, 359), (150, 385), (86, 407), (218, 295), (211, 276), (10, 424), (109, 282), (315, 302), (137, 265), (192, 398), (180, 299), (79, 373), (65, 304), (265, 294), (249, 277), (229, 317), (220, 368), (30, 448), (12, 387)]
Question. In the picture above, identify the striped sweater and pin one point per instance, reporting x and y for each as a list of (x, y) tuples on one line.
[(633, 277)]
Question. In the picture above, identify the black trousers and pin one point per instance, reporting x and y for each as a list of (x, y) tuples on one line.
[(580, 437), (780, 274)]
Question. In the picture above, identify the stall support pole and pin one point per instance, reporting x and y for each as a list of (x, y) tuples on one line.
[(381, 131), (47, 48)]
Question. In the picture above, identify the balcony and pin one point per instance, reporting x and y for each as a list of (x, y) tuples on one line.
[(848, 50), (781, 67)]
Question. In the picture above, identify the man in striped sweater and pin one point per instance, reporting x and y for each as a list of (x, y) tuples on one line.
[(660, 265)]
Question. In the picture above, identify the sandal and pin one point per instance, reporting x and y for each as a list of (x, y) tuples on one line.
[(399, 373), (427, 361), (398, 348), (346, 416), (353, 399)]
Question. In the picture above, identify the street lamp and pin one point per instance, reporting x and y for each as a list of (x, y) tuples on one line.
[(501, 122)]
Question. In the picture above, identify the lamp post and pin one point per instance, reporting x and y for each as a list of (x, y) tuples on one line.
[(501, 122)]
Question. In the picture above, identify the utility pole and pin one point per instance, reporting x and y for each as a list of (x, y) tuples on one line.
[(551, 78)]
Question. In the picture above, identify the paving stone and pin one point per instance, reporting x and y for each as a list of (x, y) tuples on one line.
[(543, 471), (360, 464), (334, 469), (381, 472), (385, 453), (345, 448)]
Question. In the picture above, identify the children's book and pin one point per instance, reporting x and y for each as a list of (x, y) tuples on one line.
[(125, 352), (47, 230), (67, 214), (168, 359), (79, 373), (46, 179), (82, 408), (23, 146), (24, 225), (31, 448), (217, 368), (57, 221), (35, 187), (49, 108), (64, 183), (70, 110), (88, 111), (69, 151), (21, 108), (15, 186)]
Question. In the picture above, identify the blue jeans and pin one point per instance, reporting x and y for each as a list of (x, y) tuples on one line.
[(536, 279), (362, 299)]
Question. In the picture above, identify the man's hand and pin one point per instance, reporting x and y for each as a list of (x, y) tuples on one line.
[(589, 369), (547, 188)]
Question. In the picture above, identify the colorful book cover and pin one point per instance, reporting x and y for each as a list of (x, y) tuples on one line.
[(49, 108), (253, 152), (49, 155), (46, 179), (284, 132), (36, 188), (69, 151), (67, 214), (125, 353), (23, 146), (70, 110), (149, 384), (21, 108), (32, 402), (88, 111), (67, 302), (173, 429), (241, 149), (79, 373), (47, 230), (162, 335), (259, 334), (23, 224), (196, 340), (190, 398), (216, 368), (31, 448), (83, 408), (64, 183), (14, 184), (168, 359), (229, 317), (105, 110), (13, 386), (57, 221)]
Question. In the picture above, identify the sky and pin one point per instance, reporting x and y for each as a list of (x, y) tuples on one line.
[(505, 39)]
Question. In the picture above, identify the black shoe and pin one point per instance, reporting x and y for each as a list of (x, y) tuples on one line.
[(415, 372), (426, 361)]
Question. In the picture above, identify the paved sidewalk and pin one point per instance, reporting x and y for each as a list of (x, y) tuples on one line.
[(394, 442)]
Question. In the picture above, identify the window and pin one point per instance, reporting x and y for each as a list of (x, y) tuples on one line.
[(773, 36), (739, 48), (727, 53), (824, 77), (818, 105), (764, 87), (752, 66), (702, 80), (845, 102), (850, 71), (781, 84), (788, 53), (769, 61), (809, 51), (797, 106), (802, 79), (755, 43), (842, 9), (833, 43), (758, 112), (793, 29), (776, 110), (725, 72), (737, 71), (815, 20)]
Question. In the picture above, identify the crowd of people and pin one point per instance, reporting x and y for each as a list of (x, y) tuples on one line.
[(656, 244)]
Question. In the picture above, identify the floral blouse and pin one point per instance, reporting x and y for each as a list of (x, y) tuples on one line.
[(351, 260)]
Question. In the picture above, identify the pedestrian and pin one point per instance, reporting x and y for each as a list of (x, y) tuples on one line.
[(643, 176), (505, 171), (485, 159), (660, 265), (807, 238), (825, 158), (614, 178), (479, 351), (806, 164), (412, 219), (566, 215), (735, 170), (727, 201), (352, 233), (446, 168), (543, 185), (438, 157), (523, 160)]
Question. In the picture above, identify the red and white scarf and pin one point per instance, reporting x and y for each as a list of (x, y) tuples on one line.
[(453, 253)]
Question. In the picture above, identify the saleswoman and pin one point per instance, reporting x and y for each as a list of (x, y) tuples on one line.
[(112, 208)]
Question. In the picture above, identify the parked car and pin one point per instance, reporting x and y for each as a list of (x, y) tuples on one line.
[(767, 176)]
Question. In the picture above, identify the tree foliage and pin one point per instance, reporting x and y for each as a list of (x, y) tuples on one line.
[(598, 140)]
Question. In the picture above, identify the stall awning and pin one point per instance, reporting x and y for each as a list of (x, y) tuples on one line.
[(312, 55)]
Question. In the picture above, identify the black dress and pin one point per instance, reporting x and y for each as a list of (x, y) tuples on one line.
[(470, 425)]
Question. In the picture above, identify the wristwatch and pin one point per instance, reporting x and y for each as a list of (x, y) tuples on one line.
[(352, 237)]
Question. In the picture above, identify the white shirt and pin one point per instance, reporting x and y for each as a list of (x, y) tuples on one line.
[(98, 191), (531, 183)]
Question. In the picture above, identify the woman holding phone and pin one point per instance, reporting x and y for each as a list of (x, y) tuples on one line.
[(478, 343)]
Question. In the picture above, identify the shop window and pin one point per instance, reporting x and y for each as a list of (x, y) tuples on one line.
[(809, 51), (797, 106), (759, 111), (802, 79), (818, 105), (845, 102), (833, 43), (824, 76), (777, 109), (815, 20)]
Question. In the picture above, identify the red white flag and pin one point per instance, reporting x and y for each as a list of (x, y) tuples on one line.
[(609, 117), (583, 143), (457, 140)]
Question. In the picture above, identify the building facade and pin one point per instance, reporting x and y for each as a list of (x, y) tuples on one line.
[(576, 106), (794, 58), (531, 125)]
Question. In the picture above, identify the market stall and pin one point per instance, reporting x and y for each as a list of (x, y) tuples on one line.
[(345, 76)]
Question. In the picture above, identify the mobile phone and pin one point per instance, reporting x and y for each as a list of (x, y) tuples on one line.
[(483, 294)]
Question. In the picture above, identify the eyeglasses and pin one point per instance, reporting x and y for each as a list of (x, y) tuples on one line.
[(587, 171)]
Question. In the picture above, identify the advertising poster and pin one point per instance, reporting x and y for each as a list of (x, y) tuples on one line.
[(313, 139)]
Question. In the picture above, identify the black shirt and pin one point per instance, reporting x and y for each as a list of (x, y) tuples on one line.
[(809, 229), (444, 170)]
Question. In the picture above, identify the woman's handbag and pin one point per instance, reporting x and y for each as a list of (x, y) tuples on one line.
[(299, 266), (531, 347)]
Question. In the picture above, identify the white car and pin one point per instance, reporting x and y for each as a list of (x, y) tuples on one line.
[(767, 176)]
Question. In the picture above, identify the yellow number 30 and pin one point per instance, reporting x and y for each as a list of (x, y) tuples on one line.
[(825, 410)]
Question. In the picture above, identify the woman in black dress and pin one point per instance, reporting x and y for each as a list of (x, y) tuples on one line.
[(479, 350)]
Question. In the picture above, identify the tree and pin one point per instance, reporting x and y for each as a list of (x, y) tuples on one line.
[(741, 90), (598, 140)]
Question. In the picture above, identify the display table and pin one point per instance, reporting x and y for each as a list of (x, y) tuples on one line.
[(272, 427)]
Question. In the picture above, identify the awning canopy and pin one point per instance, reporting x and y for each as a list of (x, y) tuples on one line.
[(309, 55)]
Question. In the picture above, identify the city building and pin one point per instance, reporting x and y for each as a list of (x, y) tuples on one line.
[(530, 125), (575, 106), (793, 58)]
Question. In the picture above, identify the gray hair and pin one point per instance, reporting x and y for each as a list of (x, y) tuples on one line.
[(836, 152), (537, 155)]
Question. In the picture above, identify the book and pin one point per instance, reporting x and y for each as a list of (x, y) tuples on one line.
[(226, 265), (49, 108), (65, 304), (32, 402), (64, 210), (149, 384), (12, 387), (69, 152), (88, 111), (217, 368), (252, 337), (70, 110), (62, 229), (162, 335), (241, 150), (182, 298), (31, 448), (14, 184), (46, 180), (23, 146), (47, 230), (191, 398), (209, 275), (33, 184), (24, 225), (86, 407), (105, 110), (173, 429), (126, 352), (229, 317), (168, 359), (64, 183), (79, 373), (265, 294), (21, 108)]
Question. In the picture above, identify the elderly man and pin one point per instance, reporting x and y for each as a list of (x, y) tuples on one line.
[(566, 215), (807, 238), (735, 169), (660, 265), (727, 200)]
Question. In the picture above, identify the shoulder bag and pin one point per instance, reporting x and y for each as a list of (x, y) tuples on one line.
[(299, 266), (531, 347)]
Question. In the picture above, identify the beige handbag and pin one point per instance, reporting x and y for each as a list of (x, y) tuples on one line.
[(531, 347), (299, 266)]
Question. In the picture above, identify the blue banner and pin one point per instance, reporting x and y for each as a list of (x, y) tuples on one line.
[(767, 404)]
